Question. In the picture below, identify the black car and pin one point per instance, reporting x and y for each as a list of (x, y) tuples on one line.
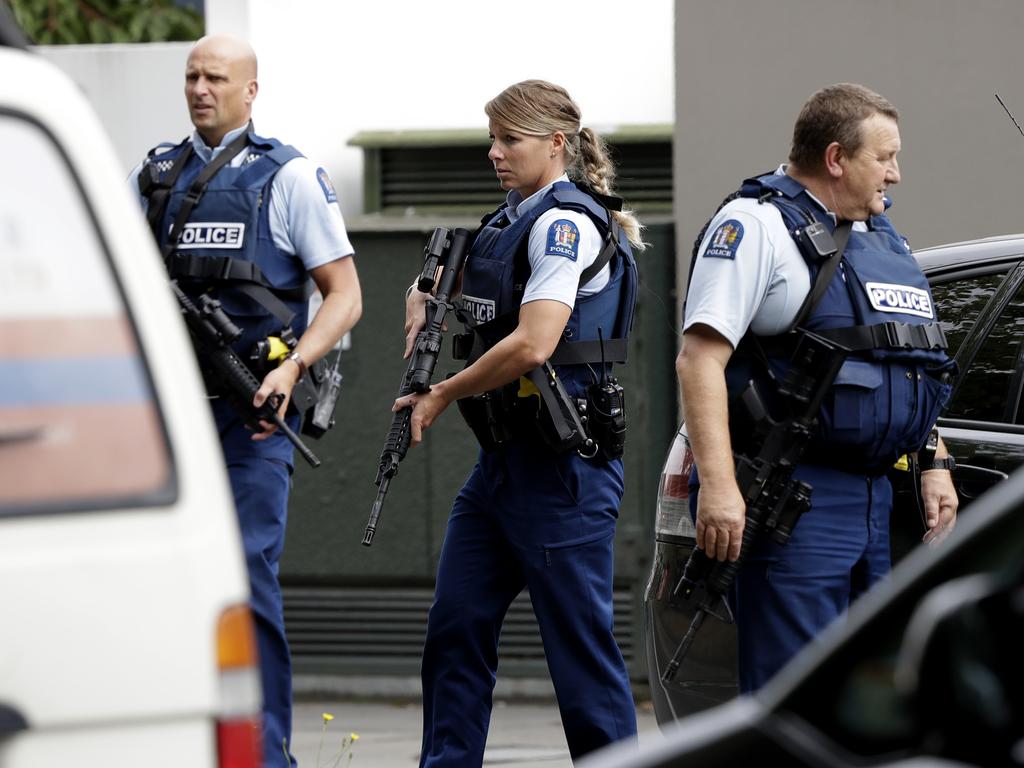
[(925, 671), (978, 288)]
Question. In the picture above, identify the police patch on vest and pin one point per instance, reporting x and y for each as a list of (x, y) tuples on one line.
[(212, 234), (563, 240), (904, 299), (326, 185), (482, 310), (725, 240)]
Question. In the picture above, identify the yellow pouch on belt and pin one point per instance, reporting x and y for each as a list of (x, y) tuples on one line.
[(527, 388), (278, 350)]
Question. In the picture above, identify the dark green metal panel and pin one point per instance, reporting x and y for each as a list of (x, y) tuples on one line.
[(434, 173), (371, 179), (330, 504), (650, 383)]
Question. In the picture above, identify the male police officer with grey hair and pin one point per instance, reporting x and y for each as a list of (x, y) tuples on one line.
[(753, 271), (265, 221)]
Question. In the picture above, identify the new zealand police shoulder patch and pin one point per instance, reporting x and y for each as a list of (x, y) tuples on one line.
[(326, 185), (725, 241), (563, 240)]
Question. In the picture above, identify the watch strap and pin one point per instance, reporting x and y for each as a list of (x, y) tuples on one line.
[(296, 358)]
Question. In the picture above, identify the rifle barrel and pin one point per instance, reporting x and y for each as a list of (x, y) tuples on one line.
[(303, 449), (684, 646), (378, 504)]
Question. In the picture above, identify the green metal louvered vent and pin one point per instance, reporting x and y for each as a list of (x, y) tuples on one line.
[(380, 630), (437, 178), (417, 172)]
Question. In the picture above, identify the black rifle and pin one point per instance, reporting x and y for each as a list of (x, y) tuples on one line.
[(447, 249), (774, 500), (212, 333)]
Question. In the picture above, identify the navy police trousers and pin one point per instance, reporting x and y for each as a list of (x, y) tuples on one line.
[(526, 518), (787, 594), (260, 482)]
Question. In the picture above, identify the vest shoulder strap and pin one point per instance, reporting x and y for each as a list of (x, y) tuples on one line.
[(825, 273), (156, 186)]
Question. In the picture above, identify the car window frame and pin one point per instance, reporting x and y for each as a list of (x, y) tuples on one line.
[(168, 493), (978, 335)]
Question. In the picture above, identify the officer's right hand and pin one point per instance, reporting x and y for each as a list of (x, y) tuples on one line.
[(426, 407), (721, 514)]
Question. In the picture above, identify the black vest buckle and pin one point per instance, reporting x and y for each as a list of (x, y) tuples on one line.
[(462, 345), (149, 181)]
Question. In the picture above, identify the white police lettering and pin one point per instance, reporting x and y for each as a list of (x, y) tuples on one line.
[(212, 234), (904, 299), (482, 310)]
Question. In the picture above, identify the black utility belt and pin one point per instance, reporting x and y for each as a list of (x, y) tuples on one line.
[(593, 351), (537, 407), (844, 464)]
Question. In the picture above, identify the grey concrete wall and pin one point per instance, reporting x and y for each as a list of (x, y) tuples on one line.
[(125, 84), (744, 68)]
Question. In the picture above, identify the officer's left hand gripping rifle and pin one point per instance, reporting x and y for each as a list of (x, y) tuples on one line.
[(447, 249), (212, 332), (774, 500)]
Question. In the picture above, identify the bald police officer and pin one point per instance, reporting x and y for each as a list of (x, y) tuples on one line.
[(267, 220)]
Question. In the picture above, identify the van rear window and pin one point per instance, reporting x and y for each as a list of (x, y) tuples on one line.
[(79, 424)]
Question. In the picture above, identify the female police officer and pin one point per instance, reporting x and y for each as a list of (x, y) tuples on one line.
[(535, 512)]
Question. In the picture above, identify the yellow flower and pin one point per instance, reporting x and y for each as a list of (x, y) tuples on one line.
[(354, 736), (327, 716)]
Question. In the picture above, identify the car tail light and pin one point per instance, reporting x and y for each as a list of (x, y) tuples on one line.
[(239, 740), (673, 515)]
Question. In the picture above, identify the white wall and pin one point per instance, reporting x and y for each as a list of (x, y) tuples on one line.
[(328, 70)]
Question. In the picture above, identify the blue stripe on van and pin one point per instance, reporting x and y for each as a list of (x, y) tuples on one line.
[(72, 381)]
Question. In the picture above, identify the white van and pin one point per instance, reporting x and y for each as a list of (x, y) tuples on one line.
[(125, 639)]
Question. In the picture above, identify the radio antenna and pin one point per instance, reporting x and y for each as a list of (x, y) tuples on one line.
[(1010, 114)]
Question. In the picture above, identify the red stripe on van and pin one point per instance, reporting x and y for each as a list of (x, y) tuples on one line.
[(66, 337)]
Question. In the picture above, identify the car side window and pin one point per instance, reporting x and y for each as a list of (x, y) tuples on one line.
[(79, 424), (984, 389)]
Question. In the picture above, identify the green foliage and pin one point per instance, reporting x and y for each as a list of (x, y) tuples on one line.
[(61, 22)]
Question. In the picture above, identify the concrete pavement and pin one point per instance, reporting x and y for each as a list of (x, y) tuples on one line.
[(521, 733)]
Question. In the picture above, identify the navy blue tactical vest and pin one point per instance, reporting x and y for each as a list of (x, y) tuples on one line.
[(232, 220), (885, 399), (497, 268)]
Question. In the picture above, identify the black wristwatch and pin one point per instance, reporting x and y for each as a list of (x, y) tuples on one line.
[(947, 463)]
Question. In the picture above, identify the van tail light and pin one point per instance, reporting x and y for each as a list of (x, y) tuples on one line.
[(239, 737), (673, 513)]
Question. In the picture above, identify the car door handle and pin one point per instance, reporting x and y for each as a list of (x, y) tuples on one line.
[(972, 481), (21, 435)]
